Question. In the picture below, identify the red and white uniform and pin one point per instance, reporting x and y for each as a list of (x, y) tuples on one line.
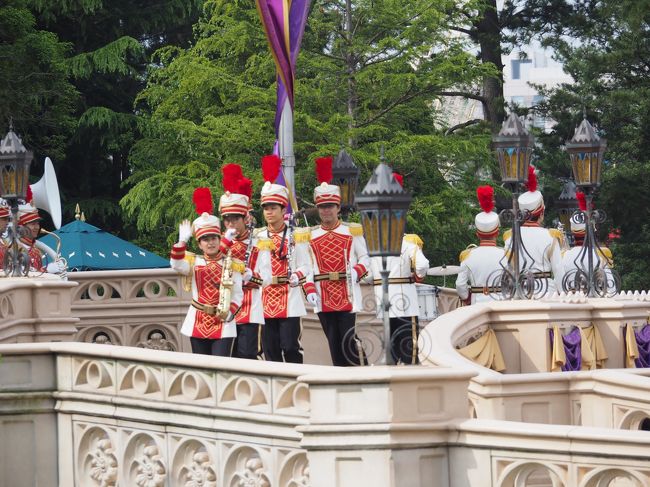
[(206, 279), (334, 251), (404, 272), (35, 255), (280, 300), (251, 310)]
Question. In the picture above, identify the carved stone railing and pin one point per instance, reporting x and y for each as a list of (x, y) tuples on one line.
[(80, 415), (614, 397)]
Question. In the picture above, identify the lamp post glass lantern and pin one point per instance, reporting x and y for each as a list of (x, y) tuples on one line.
[(383, 205), (586, 150), (15, 160), (345, 174), (514, 147)]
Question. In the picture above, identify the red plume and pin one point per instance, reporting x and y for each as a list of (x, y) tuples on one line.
[(399, 178), (532, 179), (582, 202), (245, 187), (324, 169), (271, 167), (232, 173), (202, 200), (30, 196), (485, 195)]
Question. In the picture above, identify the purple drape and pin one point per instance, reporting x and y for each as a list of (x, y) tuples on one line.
[(572, 349), (643, 343)]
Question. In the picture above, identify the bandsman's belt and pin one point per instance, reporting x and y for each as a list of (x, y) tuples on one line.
[(542, 275), (330, 276), (485, 289), (285, 280), (394, 280), (208, 309)]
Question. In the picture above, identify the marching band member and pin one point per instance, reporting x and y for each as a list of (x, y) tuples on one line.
[(29, 218), (234, 207), (4, 223), (542, 244), (210, 320), (339, 259), (602, 255), (282, 297), (404, 272), (478, 264)]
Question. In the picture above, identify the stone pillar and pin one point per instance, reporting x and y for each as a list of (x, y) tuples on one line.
[(383, 426)]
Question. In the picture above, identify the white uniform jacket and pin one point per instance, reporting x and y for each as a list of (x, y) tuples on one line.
[(477, 267), (334, 253), (542, 244), (601, 259), (404, 271), (204, 277), (280, 300)]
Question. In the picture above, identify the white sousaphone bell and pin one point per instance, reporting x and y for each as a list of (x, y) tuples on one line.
[(46, 194)]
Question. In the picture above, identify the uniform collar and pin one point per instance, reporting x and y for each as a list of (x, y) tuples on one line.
[(487, 243), (329, 229)]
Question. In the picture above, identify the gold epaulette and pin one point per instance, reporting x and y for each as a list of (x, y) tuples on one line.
[(465, 253), (302, 235), (265, 244), (607, 253), (190, 257), (414, 239), (507, 234), (257, 231), (356, 230), (557, 234), (238, 266)]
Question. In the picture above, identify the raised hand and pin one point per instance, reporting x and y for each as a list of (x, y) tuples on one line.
[(184, 231)]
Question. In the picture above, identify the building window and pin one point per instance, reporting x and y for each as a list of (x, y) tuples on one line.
[(519, 65)]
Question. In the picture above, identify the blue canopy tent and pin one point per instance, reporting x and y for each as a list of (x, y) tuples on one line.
[(88, 248)]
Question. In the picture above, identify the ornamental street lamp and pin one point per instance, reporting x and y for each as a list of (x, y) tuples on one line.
[(383, 205), (586, 150), (345, 174), (514, 147), (15, 160)]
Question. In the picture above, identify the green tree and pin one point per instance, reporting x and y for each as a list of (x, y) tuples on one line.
[(35, 93), (369, 86)]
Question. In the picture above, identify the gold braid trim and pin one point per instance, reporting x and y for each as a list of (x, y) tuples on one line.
[(414, 239), (301, 235), (187, 280), (265, 244), (507, 234), (356, 230)]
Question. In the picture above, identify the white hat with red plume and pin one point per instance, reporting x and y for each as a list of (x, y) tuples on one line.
[(232, 202), (325, 192), (532, 200), (487, 222), (271, 192), (206, 223)]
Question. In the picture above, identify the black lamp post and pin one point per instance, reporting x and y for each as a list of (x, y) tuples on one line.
[(567, 204), (383, 205), (514, 147), (345, 174), (15, 160), (586, 150)]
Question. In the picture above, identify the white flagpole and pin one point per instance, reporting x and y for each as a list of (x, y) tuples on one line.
[(285, 144)]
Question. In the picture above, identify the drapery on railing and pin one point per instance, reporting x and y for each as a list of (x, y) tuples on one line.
[(580, 349), (637, 347), (485, 351)]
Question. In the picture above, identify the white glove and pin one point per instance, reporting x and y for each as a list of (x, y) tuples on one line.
[(184, 231), (248, 274), (294, 280), (54, 268), (313, 299), (229, 318), (230, 234), (353, 275)]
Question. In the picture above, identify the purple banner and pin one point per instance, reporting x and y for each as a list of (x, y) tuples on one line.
[(284, 23), (643, 343)]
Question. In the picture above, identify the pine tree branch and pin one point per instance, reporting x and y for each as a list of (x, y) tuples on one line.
[(451, 130)]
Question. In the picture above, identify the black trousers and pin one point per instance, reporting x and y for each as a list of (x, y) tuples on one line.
[(281, 340), (248, 343), (403, 339), (345, 346), (208, 346)]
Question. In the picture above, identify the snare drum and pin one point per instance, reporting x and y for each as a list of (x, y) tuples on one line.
[(428, 302)]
